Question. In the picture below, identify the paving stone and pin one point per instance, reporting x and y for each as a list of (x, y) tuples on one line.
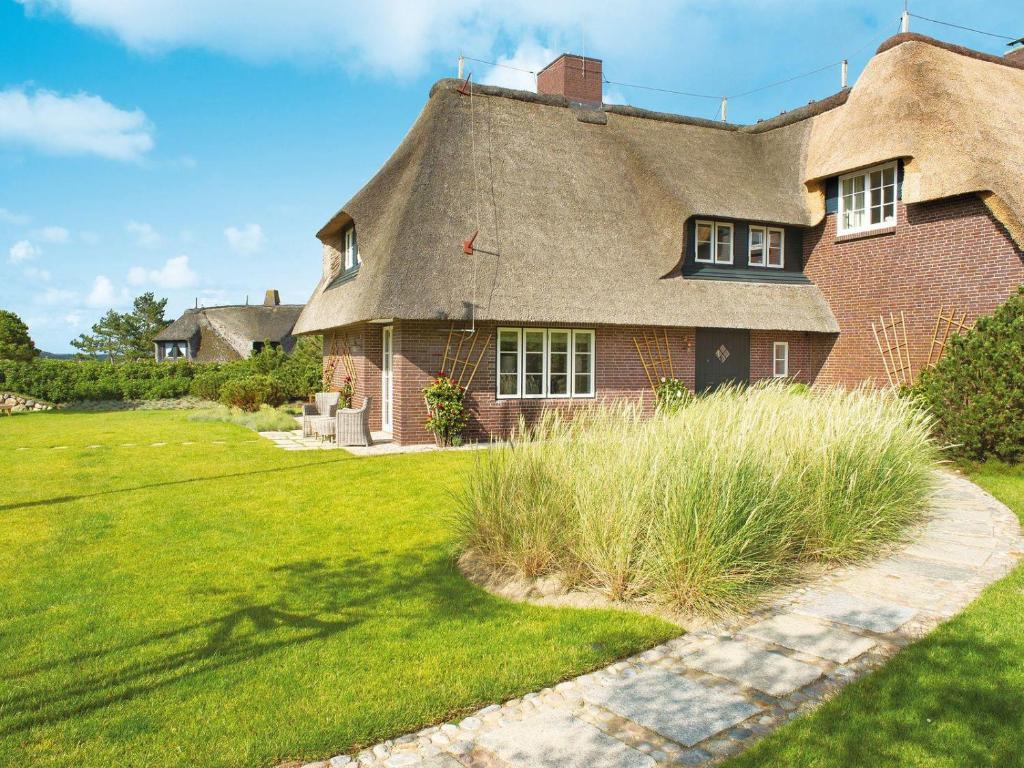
[(914, 591), (559, 740), (678, 708), (861, 611), (930, 569), (808, 635), (950, 552), (746, 664)]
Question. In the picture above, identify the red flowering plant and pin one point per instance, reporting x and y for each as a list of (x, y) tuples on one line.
[(446, 408), (345, 390)]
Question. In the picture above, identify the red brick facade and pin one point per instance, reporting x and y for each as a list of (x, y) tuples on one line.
[(950, 253), (572, 76)]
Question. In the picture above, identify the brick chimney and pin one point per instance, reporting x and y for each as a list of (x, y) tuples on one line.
[(272, 298), (577, 78)]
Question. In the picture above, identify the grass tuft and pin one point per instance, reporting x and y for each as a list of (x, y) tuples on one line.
[(705, 509), (266, 419)]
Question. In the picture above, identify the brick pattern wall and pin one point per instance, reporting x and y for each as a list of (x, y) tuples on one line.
[(574, 78), (364, 345), (950, 253), (419, 349)]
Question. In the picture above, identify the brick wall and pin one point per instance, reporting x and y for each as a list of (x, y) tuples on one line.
[(949, 252), (573, 77), (364, 346), (419, 349)]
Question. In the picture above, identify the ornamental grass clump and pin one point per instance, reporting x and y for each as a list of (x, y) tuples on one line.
[(706, 508)]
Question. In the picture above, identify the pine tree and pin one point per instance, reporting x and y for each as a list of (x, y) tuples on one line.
[(15, 342)]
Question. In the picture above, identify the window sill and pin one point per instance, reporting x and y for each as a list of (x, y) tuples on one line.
[(344, 277), (881, 231)]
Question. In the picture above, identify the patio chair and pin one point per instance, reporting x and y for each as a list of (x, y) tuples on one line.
[(326, 404), (354, 425)]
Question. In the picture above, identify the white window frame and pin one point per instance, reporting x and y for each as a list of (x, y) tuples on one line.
[(593, 363), (776, 346), (519, 365), (750, 245), (715, 226), (866, 174), (571, 391), (350, 245), (542, 332), (769, 231)]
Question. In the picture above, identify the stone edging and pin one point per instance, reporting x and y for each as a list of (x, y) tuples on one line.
[(705, 696), (24, 402)]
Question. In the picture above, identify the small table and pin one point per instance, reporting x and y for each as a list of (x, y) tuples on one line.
[(324, 426)]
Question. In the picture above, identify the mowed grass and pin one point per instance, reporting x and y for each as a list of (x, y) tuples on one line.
[(226, 603), (954, 699)]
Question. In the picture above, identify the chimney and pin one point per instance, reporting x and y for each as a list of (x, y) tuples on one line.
[(577, 78), (272, 299), (1016, 54)]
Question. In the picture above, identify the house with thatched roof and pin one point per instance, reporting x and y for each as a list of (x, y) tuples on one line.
[(546, 249), (225, 333)]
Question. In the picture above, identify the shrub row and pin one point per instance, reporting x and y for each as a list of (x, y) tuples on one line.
[(270, 377)]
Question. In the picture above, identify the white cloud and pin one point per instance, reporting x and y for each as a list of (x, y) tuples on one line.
[(10, 217), (104, 294), (54, 296), (21, 251), (350, 32), (248, 239), (52, 235), (73, 319), (531, 56), (175, 273), (81, 124), (145, 235)]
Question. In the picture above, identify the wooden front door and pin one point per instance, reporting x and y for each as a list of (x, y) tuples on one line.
[(387, 384), (722, 356)]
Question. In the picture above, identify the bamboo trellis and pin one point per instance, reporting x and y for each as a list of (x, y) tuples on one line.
[(655, 356), (940, 334), (895, 351), (457, 367)]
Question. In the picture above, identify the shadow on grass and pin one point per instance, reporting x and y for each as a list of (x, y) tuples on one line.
[(314, 603), (164, 484)]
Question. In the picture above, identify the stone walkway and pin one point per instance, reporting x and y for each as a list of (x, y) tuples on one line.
[(383, 445), (707, 695)]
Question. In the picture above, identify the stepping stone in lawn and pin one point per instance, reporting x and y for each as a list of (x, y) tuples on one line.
[(807, 635), (746, 664), (863, 612), (680, 709), (559, 740)]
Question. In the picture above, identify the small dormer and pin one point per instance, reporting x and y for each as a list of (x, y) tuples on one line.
[(724, 248)]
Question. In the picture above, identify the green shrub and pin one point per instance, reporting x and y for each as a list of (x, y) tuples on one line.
[(447, 415), (251, 392), (206, 384), (265, 419), (705, 509), (671, 394), (976, 391)]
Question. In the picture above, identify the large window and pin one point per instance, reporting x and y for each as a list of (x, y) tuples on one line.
[(780, 359), (350, 247), (766, 247), (867, 199), (545, 363), (713, 242)]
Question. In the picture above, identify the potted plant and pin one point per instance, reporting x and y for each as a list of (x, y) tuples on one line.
[(446, 410)]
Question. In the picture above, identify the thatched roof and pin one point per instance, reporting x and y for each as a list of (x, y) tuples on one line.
[(233, 328), (580, 213)]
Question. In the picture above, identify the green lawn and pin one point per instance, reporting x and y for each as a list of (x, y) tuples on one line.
[(954, 699), (227, 603)]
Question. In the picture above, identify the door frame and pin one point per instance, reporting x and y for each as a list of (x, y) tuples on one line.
[(387, 379), (739, 341)]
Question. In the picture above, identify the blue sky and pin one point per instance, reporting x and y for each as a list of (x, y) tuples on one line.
[(194, 147)]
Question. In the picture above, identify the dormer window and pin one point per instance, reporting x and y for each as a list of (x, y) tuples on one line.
[(350, 247), (867, 200), (767, 246), (713, 242)]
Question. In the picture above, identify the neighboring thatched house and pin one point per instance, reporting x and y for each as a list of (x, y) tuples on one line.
[(220, 334), (613, 245)]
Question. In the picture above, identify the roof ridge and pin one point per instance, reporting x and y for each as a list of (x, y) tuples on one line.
[(915, 37)]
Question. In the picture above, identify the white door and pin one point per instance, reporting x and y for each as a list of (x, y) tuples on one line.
[(387, 381)]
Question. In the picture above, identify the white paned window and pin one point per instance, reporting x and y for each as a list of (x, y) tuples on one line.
[(558, 363), (534, 351), (175, 350), (351, 248), (583, 364), (509, 343), (867, 199), (712, 242), (776, 242), (545, 363), (756, 247), (780, 359)]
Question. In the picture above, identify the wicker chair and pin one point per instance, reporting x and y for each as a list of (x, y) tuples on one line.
[(354, 425), (326, 405)]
